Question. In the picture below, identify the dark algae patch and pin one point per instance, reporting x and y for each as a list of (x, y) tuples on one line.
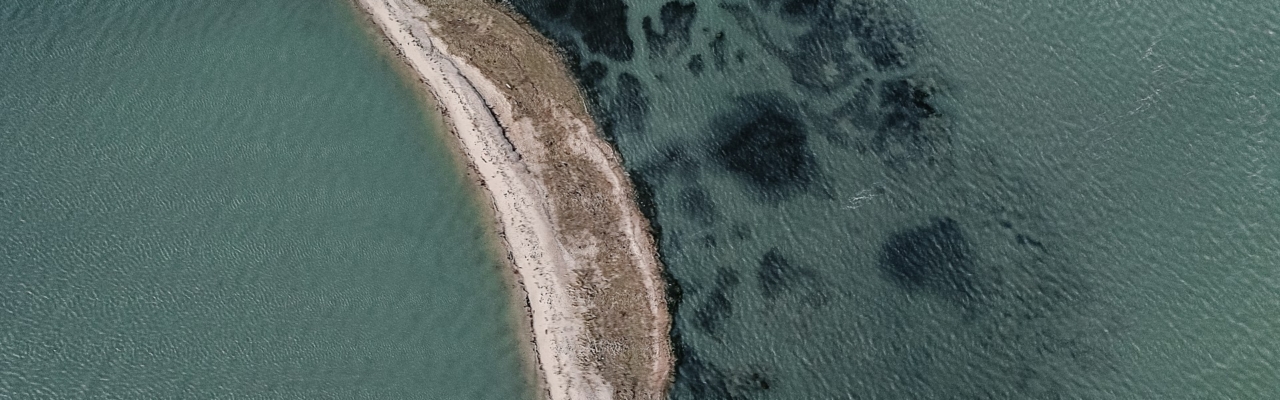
[(603, 26), (704, 379), (857, 112), (591, 75), (632, 103), (934, 258), (777, 276), (677, 21), (697, 204), (695, 65), (855, 55), (767, 146), (906, 106), (600, 25), (717, 47), (909, 134), (716, 307)]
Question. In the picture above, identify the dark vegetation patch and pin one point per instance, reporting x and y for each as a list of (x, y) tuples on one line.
[(677, 22), (631, 103), (671, 160), (591, 74), (766, 145), (799, 9), (742, 231), (933, 258), (704, 380), (820, 61), (881, 49), (699, 379), (601, 24), (716, 307), (906, 136), (839, 44), (880, 37), (588, 31), (857, 111), (1027, 329), (674, 292), (698, 205), (906, 105), (883, 40), (646, 202), (841, 39), (1025, 240), (709, 241), (717, 46), (695, 65), (778, 276)]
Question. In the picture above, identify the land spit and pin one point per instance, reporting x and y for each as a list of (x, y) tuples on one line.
[(564, 206)]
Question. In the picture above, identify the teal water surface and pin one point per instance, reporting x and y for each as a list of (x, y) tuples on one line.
[(232, 199), (929, 199)]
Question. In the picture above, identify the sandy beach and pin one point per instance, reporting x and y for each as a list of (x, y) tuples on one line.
[(564, 205)]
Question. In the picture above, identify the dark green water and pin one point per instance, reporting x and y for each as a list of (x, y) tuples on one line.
[(232, 199), (925, 199)]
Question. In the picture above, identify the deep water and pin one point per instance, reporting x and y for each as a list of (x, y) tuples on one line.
[(925, 199), (233, 199)]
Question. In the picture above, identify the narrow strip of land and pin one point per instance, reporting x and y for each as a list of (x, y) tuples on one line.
[(564, 205)]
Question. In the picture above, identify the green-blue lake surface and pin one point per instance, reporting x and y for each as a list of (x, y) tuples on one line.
[(233, 199)]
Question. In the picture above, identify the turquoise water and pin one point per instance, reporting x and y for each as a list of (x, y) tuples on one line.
[(924, 199), (213, 199)]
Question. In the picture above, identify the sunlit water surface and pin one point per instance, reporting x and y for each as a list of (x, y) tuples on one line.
[(232, 199)]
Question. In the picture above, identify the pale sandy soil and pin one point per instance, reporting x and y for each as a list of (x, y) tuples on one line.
[(564, 206)]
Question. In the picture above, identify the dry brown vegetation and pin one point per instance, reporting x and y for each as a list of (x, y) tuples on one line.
[(585, 211)]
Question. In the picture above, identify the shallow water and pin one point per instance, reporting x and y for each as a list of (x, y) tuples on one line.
[(232, 199), (919, 199)]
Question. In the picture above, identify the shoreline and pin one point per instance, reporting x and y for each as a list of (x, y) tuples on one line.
[(520, 313), (563, 205)]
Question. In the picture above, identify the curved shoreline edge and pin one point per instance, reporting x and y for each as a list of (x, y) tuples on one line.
[(564, 205)]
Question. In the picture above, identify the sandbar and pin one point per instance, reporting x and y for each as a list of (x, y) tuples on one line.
[(564, 207)]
